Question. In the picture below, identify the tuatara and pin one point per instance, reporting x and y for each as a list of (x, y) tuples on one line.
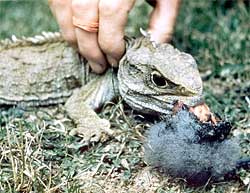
[(44, 70)]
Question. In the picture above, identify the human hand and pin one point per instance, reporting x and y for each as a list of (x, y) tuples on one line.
[(96, 27)]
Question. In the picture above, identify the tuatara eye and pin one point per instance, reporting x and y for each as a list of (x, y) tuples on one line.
[(158, 80)]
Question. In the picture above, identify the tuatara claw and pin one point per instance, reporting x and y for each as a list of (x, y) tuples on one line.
[(92, 130)]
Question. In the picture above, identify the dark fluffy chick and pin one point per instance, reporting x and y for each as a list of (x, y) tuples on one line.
[(183, 147)]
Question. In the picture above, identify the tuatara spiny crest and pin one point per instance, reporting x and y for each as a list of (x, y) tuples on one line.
[(44, 70)]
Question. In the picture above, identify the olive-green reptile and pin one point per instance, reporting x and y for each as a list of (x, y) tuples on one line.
[(44, 70)]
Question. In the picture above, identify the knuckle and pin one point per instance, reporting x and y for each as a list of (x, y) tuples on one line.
[(111, 48), (89, 55), (80, 5), (107, 45)]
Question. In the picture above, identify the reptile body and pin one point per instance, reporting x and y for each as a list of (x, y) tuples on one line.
[(45, 70)]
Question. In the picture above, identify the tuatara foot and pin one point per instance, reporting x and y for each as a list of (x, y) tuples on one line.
[(93, 130), (89, 125), (81, 105)]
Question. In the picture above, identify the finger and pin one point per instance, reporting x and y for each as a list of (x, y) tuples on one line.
[(113, 15), (162, 21), (63, 14), (86, 13)]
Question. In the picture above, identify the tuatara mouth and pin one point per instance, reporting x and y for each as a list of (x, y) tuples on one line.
[(201, 111)]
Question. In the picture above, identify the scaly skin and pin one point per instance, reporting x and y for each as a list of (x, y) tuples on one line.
[(44, 70), (153, 76), (39, 75)]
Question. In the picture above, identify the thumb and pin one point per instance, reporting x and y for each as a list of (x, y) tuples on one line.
[(162, 20)]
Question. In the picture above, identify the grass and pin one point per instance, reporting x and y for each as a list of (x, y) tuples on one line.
[(38, 155)]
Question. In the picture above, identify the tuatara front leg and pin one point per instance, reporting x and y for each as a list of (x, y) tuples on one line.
[(81, 105)]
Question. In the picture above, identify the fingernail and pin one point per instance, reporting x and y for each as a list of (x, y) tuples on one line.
[(112, 61), (97, 68)]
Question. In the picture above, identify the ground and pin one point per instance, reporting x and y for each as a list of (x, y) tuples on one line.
[(38, 155)]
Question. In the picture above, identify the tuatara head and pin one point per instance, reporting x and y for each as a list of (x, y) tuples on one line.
[(152, 77)]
